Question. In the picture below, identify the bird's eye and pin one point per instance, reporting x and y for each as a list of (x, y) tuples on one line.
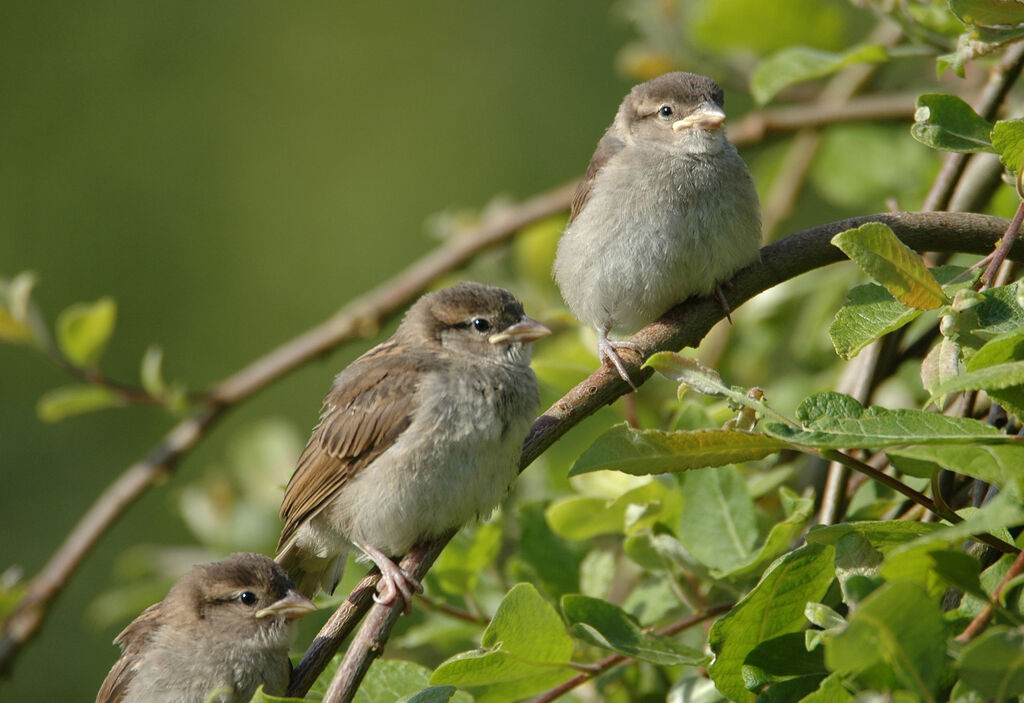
[(665, 111), (481, 325), (247, 598)]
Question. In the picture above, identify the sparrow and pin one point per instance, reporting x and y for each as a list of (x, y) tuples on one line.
[(222, 630), (667, 209), (416, 437)]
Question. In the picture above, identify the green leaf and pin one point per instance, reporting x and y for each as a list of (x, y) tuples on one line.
[(525, 624), (898, 625), (151, 371), (878, 427), (525, 646), (941, 364), (999, 350), (606, 625), (883, 535), (83, 330), (993, 664), (879, 252), (999, 313), (868, 313), (960, 571), (780, 658), (689, 372), (459, 567), (262, 696), (1001, 512), (546, 558), (643, 452), (800, 63), (66, 401), (1008, 140), (774, 607), (821, 406), (831, 690), (990, 377), (719, 524), (988, 13), (947, 123), (778, 542), (999, 464), (582, 517)]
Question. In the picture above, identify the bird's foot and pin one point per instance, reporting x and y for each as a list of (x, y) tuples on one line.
[(720, 294), (394, 580), (609, 351)]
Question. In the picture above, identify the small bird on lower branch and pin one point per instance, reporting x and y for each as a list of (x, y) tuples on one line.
[(417, 436), (222, 631)]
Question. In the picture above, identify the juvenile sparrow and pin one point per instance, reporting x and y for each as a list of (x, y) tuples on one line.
[(667, 210), (224, 627), (417, 436)]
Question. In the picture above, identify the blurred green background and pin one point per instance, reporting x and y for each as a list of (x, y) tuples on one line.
[(232, 174)]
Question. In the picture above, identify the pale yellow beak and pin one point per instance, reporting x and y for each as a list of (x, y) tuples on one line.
[(293, 605), (525, 331), (705, 117)]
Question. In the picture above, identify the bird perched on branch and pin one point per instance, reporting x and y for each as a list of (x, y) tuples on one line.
[(667, 209), (222, 631), (417, 436)]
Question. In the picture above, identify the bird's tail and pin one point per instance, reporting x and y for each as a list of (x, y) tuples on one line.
[(310, 572)]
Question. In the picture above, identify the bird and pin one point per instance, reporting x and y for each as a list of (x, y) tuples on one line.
[(417, 436), (222, 631), (667, 209)]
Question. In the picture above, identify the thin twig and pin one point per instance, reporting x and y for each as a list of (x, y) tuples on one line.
[(999, 255), (921, 499), (686, 324), (981, 620), (616, 659)]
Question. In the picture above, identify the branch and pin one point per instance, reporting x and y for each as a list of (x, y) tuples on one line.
[(981, 620), (685, 326), (358, 319), (616, 659)]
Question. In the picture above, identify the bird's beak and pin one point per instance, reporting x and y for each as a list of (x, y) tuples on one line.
[(293, 605), (525, 331), (706, 116)]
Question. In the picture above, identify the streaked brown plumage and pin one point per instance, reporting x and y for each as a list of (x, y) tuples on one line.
[(223, 626), (417, 436)]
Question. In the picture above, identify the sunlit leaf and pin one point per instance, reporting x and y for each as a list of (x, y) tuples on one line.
[(83, 330), (880, 253), (1008, 140), (66, 401), (988, 13), (641, 452)]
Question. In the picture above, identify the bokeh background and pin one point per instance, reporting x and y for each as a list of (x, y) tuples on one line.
[(233, 173)]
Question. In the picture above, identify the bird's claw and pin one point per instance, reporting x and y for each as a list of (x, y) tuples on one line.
[(394, 581), (609, 352)]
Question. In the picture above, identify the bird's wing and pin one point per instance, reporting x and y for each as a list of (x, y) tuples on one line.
[(608, 147), (133, 640), (371, 403)]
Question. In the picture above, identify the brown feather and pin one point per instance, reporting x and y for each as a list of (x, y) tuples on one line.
[(608, 147), (369, 406), (132, 640)]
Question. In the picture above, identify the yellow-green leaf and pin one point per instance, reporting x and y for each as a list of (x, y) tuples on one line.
[(83, 330), (879, 252)]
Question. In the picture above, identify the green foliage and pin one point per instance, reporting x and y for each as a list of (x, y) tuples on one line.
[(624, 535)]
